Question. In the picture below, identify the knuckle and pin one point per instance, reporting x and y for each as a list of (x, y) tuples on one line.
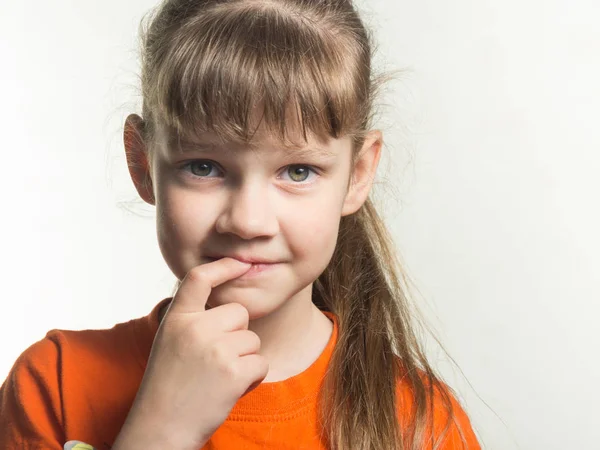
[(197, 275), (241, 312), (254, 340), (219, 355), (260, 362), (263, 366), (232, 372)]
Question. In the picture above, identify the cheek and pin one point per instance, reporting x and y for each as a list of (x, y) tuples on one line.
[(312, 228), (182, 225), (185, 214)]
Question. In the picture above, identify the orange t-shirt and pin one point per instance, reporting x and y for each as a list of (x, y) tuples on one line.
[(79, 385)]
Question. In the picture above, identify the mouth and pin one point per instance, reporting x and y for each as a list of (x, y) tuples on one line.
[(258, 267), (249, 260)]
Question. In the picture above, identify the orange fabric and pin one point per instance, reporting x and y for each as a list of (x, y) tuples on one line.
[(79, 385)]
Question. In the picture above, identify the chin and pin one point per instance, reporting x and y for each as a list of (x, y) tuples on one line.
[(254, 300)]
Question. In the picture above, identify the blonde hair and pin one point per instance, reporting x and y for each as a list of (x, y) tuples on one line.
[(206, 64)]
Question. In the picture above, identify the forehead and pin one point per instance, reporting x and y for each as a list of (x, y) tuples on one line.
[(261, 141)]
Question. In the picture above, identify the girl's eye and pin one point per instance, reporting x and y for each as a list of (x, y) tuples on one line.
[(200, 169), (299, 173)]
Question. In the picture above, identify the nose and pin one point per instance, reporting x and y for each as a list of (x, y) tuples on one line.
[(249, 213)]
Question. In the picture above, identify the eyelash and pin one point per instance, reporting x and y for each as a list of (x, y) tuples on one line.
[(183, 167)]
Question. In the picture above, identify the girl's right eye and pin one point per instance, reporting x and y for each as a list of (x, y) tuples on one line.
[(199, 169)]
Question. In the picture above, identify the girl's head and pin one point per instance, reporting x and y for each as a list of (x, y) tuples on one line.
[(255, 140), (255, 129)]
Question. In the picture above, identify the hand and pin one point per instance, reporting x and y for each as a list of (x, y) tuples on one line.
[(202, 361)]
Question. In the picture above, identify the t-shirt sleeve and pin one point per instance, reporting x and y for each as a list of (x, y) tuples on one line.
[(30, 407)]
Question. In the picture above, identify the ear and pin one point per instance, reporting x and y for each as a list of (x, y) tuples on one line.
[(363, 173), (137, 157)]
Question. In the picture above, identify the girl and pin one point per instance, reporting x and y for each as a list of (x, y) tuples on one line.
[(289, 327)]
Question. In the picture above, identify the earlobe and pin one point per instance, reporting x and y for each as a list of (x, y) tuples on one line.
[(363, 173), (137, 157)]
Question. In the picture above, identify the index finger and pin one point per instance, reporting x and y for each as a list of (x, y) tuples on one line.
[(195, 288)]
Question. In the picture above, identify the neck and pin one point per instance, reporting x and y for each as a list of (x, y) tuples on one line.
[(292, 336)]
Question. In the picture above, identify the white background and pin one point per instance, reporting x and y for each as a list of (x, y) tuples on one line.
[(495, 161)]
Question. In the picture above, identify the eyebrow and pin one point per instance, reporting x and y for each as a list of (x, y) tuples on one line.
[(186, 146)]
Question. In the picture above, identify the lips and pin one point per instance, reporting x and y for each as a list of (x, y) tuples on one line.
[(258, 268), (246, 259)]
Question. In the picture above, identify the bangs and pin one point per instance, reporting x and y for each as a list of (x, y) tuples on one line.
[(233, 67)]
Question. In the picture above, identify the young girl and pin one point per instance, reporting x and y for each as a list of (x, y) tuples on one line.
[(290, 327)]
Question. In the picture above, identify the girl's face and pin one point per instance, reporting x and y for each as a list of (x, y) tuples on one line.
[(264, 204)]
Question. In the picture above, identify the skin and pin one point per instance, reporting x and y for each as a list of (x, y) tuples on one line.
[(251, 202)]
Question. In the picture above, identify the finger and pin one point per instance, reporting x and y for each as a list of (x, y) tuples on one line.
[(227, 317), (256, 367), (196, 286), (242, 342)]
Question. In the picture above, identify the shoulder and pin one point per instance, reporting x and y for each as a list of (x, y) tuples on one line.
[(446, 419), (30, 399), (74, 348), (35, 367), (43, 363), (50, 378)]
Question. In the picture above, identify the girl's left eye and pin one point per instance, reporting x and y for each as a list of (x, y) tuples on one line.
[(299, 173)]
